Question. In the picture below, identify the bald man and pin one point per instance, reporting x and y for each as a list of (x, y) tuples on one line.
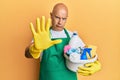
[(52, 65)]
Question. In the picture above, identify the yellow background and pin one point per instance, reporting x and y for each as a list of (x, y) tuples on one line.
[(97, 22)]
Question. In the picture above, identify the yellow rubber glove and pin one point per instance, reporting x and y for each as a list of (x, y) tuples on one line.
[(89, 68), (34, 52), (41, 37)]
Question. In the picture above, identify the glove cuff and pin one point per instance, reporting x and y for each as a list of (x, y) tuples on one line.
[(35, 52)]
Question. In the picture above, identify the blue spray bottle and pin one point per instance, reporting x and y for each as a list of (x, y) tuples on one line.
[(84, 53)]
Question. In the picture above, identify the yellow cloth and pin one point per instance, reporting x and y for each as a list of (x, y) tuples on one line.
[(93, 51)]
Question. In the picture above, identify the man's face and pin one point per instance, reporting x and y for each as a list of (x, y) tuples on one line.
[(59, 18)]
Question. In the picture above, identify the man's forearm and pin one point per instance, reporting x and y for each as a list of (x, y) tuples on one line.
[(27, 53)]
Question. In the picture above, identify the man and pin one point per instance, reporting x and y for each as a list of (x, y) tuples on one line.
[(50, 42)]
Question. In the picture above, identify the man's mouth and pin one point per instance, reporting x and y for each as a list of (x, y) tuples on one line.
[(59, 26)]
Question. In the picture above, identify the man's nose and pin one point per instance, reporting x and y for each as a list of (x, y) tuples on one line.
[(60, 21)]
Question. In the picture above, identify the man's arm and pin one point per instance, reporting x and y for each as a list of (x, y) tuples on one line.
[(41, 38), (31, 52), (27, 53)]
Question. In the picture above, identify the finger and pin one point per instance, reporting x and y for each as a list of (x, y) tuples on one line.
[(97, 62), (48, 24), (84, 74), (84, 68), (32, 29), (38, 25), (56, 41), (89, 64), (82, 71), (43, 23)]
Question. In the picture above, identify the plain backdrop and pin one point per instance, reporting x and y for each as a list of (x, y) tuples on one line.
[(96, 21)]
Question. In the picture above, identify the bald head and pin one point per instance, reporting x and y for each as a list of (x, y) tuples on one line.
[(60, 6)]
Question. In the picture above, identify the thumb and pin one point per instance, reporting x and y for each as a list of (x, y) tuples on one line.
[(56, 41)]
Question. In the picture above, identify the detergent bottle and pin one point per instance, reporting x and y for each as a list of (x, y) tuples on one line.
[(75, 41)]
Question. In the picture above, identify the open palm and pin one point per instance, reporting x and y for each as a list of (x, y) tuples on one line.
[(42, 35)]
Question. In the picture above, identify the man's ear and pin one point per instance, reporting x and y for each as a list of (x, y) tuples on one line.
[(50, 14)]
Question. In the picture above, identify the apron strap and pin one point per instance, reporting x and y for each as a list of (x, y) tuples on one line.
[(67, 34)]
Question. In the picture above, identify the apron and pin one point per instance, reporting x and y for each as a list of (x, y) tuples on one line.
[(52, 66)]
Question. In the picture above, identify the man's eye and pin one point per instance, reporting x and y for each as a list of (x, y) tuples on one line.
[(56, 17), (64, 18)]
